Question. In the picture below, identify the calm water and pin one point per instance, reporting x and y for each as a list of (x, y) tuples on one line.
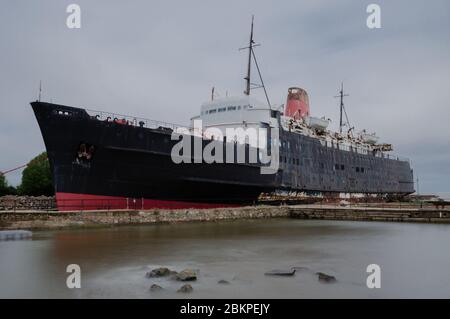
[(414, 260)]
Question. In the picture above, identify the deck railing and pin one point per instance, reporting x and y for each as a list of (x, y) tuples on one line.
[(133, 120)]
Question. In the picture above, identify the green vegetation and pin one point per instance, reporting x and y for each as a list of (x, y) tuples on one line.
[(37, 178), (5, 188), (3, 185)]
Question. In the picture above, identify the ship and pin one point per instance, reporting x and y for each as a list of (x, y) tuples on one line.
[(101, 160)]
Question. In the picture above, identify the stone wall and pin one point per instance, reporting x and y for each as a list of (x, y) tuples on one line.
[(373, 214), (53, 220), (46, 220), (11, 202)]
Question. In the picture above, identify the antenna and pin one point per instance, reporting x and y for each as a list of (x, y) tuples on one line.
[(40, 90), (251, 54), (342, 108), (212, 94)]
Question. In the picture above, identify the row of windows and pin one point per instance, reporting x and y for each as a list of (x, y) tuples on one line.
[(337, 167), (342, 167), (287, 160), (224, 109), (359, 169)]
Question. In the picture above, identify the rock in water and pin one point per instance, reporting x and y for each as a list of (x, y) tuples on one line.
[(186, 275), (185, 288), (155, 287), (159, 272), (278, 272), (325, 278), (223, 282)]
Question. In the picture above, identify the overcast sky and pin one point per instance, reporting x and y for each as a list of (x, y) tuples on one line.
[(159, 60)]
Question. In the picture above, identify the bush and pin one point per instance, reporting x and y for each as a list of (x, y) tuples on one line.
[(37, 177), (3, 185), (6, 189)]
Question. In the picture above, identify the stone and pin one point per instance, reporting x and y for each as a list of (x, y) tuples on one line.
[(185, 289), (325, 278), (223, 282), (159, 272), (186, 275), (156, 287), (278, 272), (13, 202)]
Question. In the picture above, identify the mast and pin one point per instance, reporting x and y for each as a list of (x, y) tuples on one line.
[(342, 109), (341, 106), (250, 52)]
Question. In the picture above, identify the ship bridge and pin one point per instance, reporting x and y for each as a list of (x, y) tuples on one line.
[(232, 113)]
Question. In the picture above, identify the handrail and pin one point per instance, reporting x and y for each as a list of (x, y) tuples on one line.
[(133, 120)]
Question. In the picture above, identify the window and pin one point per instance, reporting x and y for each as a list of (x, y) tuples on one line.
[(212, 111), (336, 166), (232, 108), (362, 169), (65, 113), (239, 107), (342, 167), (357, 169), (222, 109)]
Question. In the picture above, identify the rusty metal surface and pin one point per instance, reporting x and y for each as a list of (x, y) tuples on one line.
[(308, 165)]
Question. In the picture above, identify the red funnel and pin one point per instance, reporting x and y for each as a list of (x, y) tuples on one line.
[(297, 105)]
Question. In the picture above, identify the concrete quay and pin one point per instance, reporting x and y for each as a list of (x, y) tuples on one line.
[(55, 220)]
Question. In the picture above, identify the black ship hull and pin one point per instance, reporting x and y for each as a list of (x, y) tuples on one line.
[(131, 166), (99, 164)]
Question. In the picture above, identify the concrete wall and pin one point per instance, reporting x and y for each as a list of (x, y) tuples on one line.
[(36, 219)]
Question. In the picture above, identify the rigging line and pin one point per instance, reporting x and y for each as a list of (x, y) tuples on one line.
[(13, 169), (261, 79), (348, 122)]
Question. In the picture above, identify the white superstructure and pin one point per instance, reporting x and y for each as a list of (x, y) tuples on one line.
[(232, 113)]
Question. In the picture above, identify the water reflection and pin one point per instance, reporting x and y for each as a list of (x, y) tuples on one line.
[(114, 260)]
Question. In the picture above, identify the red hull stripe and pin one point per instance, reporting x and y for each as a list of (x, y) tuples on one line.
[(71, 201)]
